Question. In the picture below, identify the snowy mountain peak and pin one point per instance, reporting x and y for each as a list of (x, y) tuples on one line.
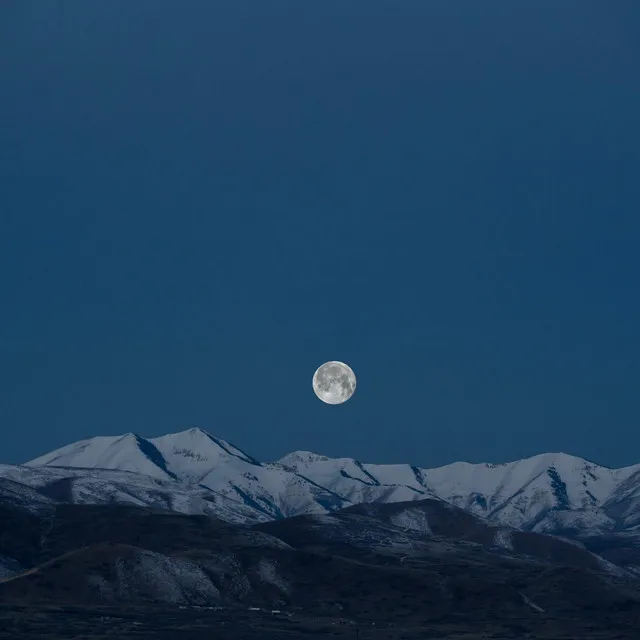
[(301, 457), (194, 453), (129, 452), (550, 491)]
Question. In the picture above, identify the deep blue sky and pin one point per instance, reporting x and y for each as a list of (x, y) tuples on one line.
[(202, 201)]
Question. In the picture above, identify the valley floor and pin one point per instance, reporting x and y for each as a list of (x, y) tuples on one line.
[(149, 623)]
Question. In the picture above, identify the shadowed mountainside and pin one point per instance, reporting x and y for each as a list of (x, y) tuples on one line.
[(423, 561)]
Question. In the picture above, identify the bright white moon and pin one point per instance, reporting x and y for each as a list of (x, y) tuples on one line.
[(334, 382)]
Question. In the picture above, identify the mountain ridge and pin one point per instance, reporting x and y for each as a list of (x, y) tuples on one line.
[(548, 492)]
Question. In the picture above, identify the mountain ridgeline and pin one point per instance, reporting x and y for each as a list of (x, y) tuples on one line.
[(189, 520), (195, 472)]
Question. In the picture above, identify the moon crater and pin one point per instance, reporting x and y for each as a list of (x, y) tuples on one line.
[(334, 382)]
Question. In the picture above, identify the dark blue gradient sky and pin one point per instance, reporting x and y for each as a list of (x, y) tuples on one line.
[(201, 202)]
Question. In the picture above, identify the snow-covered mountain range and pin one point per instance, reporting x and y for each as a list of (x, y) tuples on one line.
[(195, 472)]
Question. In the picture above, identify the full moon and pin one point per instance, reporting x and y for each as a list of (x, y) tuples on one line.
[(334, 382)]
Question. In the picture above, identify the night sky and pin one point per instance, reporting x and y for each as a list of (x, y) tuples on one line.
[(203, 201)]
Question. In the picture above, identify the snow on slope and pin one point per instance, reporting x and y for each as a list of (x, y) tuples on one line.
[(358, 482), (413, 519), (193, 454), (17, 494), (164, 579), (129, 452), (197, 456), (534, 493), (198, 459), (548, 492), (623, 504), (521, 493), (47, 485)]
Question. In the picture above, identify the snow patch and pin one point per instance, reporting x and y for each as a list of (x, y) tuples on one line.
[(502, 538), (324, 518), (264, 540), (413, 519), (268, 572)]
